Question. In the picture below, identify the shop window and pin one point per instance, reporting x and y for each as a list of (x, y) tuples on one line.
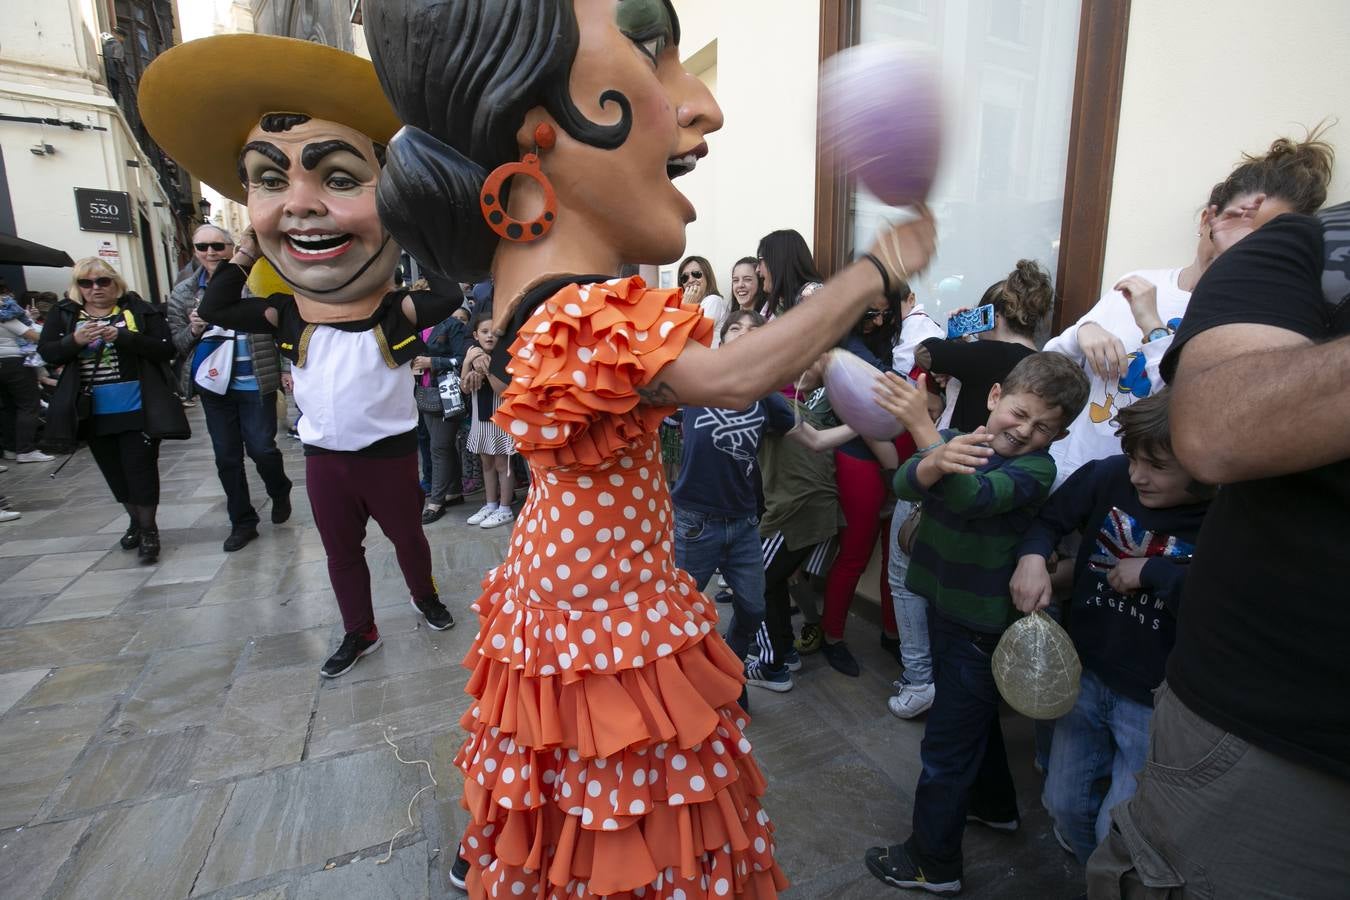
[(1033, 100)]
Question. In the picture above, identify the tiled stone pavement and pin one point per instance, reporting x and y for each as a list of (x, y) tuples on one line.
[(164, 731)]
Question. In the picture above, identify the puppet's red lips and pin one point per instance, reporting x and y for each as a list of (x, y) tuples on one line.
[(318, 247)]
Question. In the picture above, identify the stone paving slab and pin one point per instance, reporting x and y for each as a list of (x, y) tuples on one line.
[(37, 746), (14, 685), (78, 606), (152, 850), (181, 688), (111, 772), (263, 725), (309, 814), (64, 643), (31, 857), (403, 877), (355, 715), (86, 683)]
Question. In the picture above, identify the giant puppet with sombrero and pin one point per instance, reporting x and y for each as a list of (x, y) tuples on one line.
[(297, 131)]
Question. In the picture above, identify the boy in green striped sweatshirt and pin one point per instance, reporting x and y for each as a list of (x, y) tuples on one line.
[(980, 493)]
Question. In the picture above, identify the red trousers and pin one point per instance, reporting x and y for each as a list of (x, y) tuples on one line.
[(862, 493)]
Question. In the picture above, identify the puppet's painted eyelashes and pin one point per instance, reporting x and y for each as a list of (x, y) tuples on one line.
[(495, 215)]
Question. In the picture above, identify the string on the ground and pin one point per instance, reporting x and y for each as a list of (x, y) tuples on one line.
[(412, 825)]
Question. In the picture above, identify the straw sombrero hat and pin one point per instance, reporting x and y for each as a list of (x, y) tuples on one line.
[(200, 100)]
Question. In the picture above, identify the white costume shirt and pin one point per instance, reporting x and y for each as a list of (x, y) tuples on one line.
[(349, 396), (1093, 435)]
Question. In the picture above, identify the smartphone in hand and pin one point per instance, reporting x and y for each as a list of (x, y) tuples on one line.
[(972, 321)]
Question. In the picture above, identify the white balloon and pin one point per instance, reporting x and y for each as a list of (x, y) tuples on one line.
[(850, 383)]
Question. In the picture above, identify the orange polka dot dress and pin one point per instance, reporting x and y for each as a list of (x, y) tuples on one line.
[(606, 754)]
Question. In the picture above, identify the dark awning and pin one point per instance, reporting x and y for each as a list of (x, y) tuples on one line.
[(15, 251)]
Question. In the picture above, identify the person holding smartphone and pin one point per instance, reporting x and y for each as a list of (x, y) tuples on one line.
[(114, 390), (1020, 302)]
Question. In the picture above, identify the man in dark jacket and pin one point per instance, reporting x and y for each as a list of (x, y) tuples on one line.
[(242, 419)]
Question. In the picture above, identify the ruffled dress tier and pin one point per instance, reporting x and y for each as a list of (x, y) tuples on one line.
[(606, 754)]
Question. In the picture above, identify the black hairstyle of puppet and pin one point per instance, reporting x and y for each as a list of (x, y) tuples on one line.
[(462, 74)]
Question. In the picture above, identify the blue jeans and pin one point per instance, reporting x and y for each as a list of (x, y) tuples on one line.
[(965, 766), (1104, 736), (911, 610), (704, 544), (242, 422)]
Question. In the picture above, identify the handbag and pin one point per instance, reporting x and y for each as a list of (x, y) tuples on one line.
[(909, 530), (452, 397), (214, 371), (427, 397)]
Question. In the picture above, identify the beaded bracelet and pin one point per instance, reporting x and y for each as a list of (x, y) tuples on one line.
[(929, 449)]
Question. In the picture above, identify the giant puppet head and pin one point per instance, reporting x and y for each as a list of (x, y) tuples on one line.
[(474, 79), (295, 130)]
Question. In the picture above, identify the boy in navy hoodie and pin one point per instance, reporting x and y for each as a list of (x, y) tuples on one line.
[(1140, 514)]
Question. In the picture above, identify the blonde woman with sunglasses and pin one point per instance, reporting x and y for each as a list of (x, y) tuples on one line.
[(114, 390)]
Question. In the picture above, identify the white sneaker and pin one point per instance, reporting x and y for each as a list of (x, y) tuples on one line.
[(482, 514), (10, 454), (499, 516), (4, 468), (913, 700), (8, 515), (34, 456)]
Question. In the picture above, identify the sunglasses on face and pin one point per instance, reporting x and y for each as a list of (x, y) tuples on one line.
[(875, 314), (211, 245), (690, 275), (101, 281)]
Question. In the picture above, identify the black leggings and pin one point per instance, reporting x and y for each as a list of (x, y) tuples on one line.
[(129, 462)]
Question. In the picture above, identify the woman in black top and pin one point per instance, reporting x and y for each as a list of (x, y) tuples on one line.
[(112, 390), (1020, 302)]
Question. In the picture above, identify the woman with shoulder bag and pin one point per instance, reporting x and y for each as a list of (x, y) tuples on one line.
[(446, 345), (114, 390)]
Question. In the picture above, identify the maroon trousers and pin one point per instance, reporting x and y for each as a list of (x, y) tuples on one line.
[(346, 491)]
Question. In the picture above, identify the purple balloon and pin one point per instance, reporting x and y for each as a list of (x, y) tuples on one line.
[(849, 383), (881, 118)]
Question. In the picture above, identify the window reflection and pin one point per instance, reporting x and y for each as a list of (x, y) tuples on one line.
[(1008, 69)]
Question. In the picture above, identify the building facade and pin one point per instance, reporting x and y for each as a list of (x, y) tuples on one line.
[(68, 123)]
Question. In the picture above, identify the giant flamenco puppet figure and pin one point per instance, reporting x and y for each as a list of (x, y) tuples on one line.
[(297, 131), (606, 754)]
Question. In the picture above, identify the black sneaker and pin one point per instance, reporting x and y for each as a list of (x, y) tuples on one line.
[(840, 659), (239, 539), (722, 596), (434, 611), (894, 866), (459, 872), (131, 538), (149, 546), (1006, 822), (432, 513), (281, 509), (453, 500), (354, 646)]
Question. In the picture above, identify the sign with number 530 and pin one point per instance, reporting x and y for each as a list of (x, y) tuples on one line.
[(101, 210)]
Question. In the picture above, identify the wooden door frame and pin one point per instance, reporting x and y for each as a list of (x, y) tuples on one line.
[(1103, 28)]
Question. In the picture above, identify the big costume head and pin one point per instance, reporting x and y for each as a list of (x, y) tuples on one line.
[(473, 79), (297, 131)]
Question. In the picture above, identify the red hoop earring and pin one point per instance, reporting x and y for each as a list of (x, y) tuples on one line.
[(490, 198)]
